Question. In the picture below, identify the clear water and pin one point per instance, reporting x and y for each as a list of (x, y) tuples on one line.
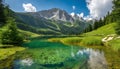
[(49, 55)]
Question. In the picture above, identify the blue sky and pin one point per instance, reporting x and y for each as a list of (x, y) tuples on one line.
[(80, 5), (88, 9)]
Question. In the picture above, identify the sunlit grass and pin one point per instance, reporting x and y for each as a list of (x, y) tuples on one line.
[(86, 41), (67, 40), (6, 52), (115, 44), (92, 41), (104, 30), (30, 34)]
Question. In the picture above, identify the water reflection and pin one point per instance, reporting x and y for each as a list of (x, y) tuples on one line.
[(96, 59), (85, 58)]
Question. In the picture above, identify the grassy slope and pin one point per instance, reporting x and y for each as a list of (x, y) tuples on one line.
[(29, 33), (89, 38), (92, 38), (105, 30)]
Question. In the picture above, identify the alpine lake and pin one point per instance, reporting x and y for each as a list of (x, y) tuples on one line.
[(42, 54)]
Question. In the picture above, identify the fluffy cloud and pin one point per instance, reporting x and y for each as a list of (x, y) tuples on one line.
[(73, 7), (29, 7), (99, 8), (80, 15)]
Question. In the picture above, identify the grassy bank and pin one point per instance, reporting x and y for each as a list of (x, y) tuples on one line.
[(92, 41), (67, 40), (115, 44), (80, 41), (6, 52)]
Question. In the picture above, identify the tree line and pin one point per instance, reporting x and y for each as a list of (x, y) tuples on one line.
[(10, 34), (114, 16)]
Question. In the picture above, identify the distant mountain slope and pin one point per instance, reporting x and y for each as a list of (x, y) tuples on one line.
[(53, 21)]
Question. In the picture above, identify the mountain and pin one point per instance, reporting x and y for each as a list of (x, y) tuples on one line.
[(53, 21), (56, 14)]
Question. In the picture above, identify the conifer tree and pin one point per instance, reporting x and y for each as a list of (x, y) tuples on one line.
[(11, 35), (2, 14), (116, 15)]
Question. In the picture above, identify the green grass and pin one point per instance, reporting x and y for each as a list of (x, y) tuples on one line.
[(27, 33), (84, 41), (72, 40), (104, 30), (67, 40), (6, 52), (93, 38), (115, 44), (92, 41)]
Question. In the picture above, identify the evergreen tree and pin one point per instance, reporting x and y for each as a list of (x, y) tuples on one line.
[(96, 24), (116, 15), (2, 14), (89, 28), (11, 34)]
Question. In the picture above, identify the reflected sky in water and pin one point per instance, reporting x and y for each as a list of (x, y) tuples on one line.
[(81, 59)]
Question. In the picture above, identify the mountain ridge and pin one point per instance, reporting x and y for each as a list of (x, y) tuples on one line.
[(50, 22)]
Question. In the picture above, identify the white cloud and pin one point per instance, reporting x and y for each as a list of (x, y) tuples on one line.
[(29, 7), (80, 15), (72, 14), (73, 7), (99, 8)]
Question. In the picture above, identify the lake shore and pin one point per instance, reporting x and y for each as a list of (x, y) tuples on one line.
[(6, 52)]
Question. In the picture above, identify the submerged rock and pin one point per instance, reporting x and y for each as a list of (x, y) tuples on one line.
[(26, 62)]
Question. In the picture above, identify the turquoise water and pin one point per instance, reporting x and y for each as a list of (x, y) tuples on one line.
[(42, 54)]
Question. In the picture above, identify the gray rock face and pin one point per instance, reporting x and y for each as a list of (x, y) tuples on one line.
[(54, 13)]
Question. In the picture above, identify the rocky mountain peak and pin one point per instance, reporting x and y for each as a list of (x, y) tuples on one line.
[(56, 14)]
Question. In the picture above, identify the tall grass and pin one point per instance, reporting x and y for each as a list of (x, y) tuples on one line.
[(115, 44), (92, 41), (72, 40), (6, 52), (86, 41), (67, 40)]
